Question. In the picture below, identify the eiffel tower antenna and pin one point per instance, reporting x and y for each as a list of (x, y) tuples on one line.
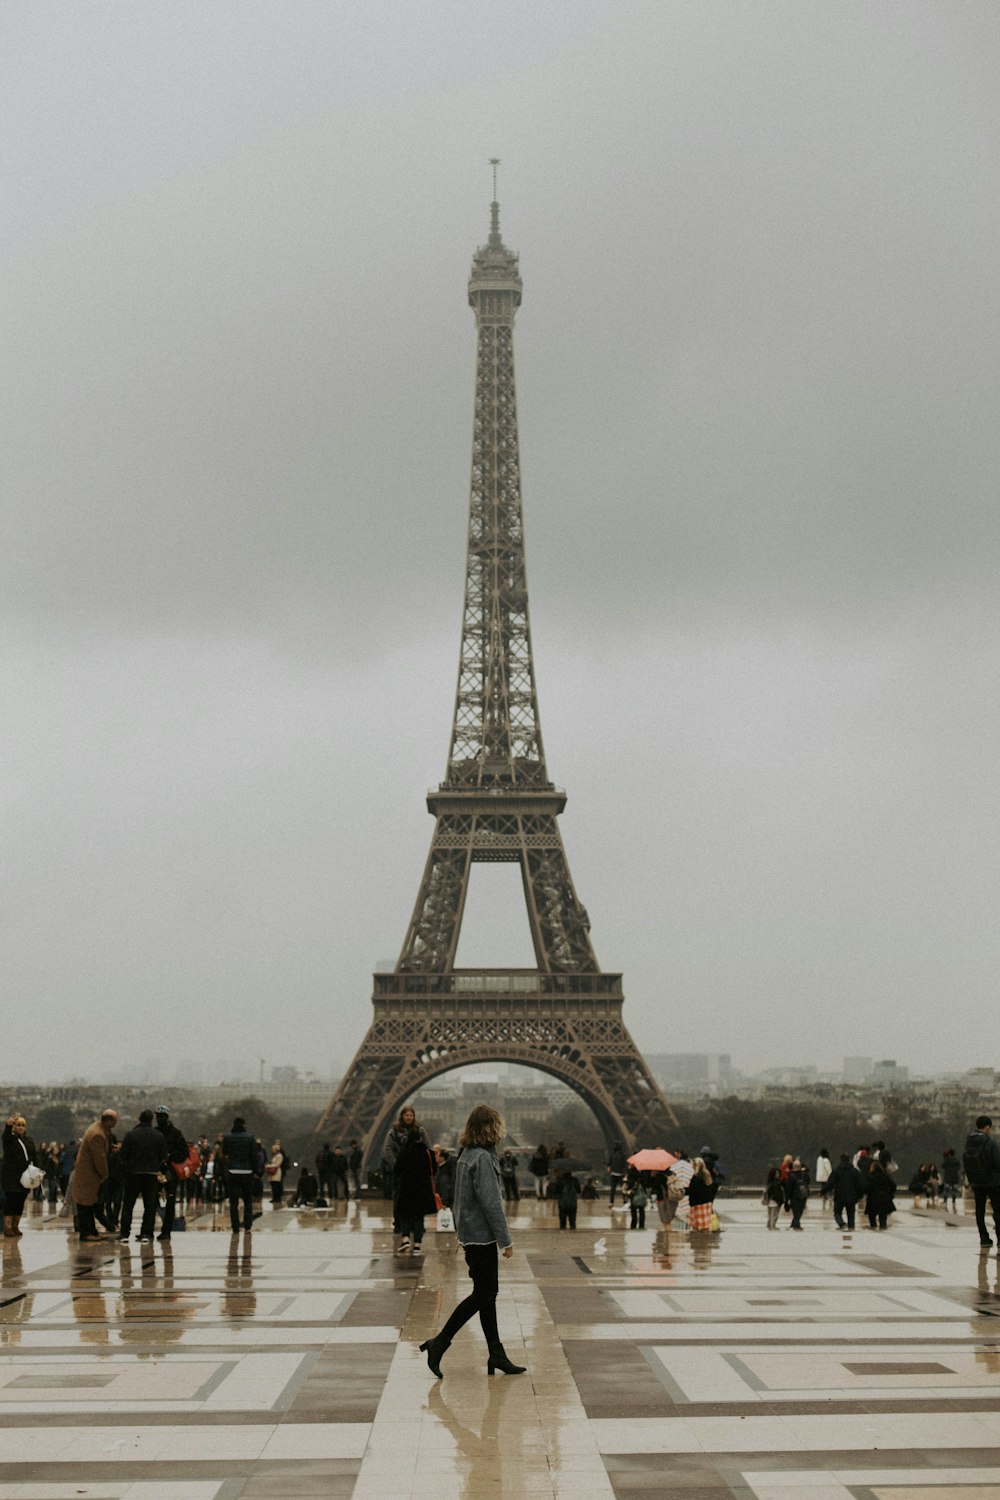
[(497, 804)]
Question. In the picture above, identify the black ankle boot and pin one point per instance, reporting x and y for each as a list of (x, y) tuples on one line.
[(435, 1350), (499, 1361)]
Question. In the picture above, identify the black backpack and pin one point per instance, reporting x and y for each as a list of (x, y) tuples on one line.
[(976, 1162)]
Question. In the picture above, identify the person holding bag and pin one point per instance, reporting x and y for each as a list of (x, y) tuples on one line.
[(18, 1154), (482, 1231)]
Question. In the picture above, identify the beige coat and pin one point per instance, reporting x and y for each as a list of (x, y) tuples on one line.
[(91, 1167)]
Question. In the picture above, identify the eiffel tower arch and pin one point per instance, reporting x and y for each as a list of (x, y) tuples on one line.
[(497, 803)]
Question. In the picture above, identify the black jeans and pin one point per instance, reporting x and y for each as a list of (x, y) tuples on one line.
[(239, 1185), (984, 1195), (483, 1264), (839, 1210), (638, 1216), (142, 1184), (567, 1216)]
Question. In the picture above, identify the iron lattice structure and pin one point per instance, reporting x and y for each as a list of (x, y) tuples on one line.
[(497, 803)]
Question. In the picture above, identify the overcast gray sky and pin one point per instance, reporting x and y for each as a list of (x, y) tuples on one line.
[(757, 378)]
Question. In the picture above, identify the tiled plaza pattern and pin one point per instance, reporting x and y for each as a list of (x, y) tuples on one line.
[(762, 1365)]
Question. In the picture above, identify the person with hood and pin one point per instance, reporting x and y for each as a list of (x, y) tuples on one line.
[(981, 1160), (482, 1230)]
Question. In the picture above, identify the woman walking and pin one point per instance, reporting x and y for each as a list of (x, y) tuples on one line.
[(414, 1196), (774, 1196), (482, 1231)]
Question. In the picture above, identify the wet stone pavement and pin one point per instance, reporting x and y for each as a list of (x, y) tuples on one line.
[(286, 1363)]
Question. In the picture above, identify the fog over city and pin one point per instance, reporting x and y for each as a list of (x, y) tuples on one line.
[(757, 364)]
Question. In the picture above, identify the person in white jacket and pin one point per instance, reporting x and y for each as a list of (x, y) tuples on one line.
[(821, 1176)]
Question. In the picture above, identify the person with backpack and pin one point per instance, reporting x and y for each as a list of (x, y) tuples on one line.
[(981, 1160), (638, 1198)]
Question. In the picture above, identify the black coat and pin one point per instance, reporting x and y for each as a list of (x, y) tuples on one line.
[(881, 1198), (143, 1150), (414, 1178), (845, 1184), (14, 1160)]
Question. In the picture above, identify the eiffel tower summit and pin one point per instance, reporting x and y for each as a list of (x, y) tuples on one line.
[(497, 803)]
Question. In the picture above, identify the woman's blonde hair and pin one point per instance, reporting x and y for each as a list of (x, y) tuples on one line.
[(702, 1171), (484, 1127)]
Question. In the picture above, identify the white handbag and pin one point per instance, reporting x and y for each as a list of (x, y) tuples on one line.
[(32, 1177)]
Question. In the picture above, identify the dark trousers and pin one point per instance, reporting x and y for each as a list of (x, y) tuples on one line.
[(510, 1190), (798, 1209), (638, 1217), (86, 1217), (339, 1180), (839, 1210), (567, 1216), (144, 1185), (483, 1265), (170, 1205), (617, 1178), (411, 1225), (239, 1185), (984, 1195)]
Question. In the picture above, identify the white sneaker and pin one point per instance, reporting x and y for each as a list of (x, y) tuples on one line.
[(417, 1250), (404, 1245)]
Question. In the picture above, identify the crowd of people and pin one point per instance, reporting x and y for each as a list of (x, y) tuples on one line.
[(101, 1178), (867, 1179)]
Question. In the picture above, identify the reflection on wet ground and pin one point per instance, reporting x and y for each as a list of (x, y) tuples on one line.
[(286, 1362)]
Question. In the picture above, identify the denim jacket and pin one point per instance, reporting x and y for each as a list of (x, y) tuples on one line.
[(479, 1215)]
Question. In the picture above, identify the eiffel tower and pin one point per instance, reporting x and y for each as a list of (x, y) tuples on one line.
[(497, 803)]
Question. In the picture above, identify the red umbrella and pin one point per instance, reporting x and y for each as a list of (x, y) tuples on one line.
[(652, 1160)]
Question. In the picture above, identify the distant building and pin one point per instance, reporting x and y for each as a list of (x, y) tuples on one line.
[(687, 1072), (889, 1073), (857, 1069)]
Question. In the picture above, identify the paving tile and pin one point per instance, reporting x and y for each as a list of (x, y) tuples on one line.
[(754, 1365)]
